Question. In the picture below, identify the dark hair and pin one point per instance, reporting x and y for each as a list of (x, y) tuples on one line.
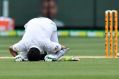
[(34, 54)]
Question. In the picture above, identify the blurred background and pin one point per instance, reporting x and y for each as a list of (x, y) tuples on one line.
[(79, 21), (82, 14), (81, 27)]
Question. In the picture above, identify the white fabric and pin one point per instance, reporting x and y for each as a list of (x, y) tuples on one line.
[(57, 56), (39, 32)]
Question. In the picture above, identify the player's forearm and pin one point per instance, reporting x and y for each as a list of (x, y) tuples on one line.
[(13, 53)]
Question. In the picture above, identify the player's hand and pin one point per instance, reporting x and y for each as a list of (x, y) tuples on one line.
[(20, 58), (64, 47), (50, 58), (13, 53)]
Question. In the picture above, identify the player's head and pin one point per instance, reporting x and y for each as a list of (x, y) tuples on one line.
[(34, 54), (49, 8)]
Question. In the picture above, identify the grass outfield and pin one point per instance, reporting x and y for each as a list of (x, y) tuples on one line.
[(78, 46), (84, 69)]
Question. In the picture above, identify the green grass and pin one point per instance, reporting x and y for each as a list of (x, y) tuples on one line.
[(84, 69), (78, 46)]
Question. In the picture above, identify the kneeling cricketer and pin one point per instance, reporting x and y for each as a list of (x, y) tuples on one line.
[(39, 42)]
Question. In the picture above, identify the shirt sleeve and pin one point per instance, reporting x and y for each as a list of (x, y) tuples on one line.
[(54, 36)]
